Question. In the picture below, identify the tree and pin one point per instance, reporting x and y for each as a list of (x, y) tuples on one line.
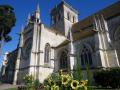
[(7, 21)]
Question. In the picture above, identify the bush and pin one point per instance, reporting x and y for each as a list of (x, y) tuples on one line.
[(36, 84), (108, 78)]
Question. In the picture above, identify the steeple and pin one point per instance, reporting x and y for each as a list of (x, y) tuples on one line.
[(28, 19), (22, 28), (21, 36), (38, 8), (37, 13)]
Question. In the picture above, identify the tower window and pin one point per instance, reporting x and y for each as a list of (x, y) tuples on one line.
[(73, 19), (68, 16)]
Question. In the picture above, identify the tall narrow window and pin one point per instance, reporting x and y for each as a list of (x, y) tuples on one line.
[(86, 56), (68, 16), (47, 53), (73, 19), (64, 61)]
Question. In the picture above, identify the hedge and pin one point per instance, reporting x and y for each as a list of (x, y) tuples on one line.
[(108, 77)]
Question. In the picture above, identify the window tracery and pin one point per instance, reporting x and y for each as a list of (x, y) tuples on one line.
[(86, 56)]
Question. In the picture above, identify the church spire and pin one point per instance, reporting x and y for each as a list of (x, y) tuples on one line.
[(37, 13), (38, 7), (28, 19), (22, 29)]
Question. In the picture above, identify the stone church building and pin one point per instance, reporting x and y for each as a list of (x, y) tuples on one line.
[(94, 40)]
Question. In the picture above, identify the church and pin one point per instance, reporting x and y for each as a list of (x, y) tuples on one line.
[(42, 50)]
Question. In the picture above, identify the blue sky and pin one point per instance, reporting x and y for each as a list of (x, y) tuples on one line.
[(23, 7)]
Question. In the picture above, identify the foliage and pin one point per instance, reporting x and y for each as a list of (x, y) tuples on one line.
[(11, 89), (36, 84), (77, 74), (29, 81), (7, 38), (7, 19), (108, 77), (88, 76), (63, 81)]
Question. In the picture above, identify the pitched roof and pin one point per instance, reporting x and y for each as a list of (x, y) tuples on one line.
[(84, 28)]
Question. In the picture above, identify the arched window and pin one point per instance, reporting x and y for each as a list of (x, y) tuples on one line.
[(26, 51), (86, 56), (64, 61), (47, 53)]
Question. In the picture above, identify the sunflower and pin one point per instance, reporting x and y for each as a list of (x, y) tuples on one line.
[(51, 82), (75, 84), (83, 84), (65, 79), (54, 87)]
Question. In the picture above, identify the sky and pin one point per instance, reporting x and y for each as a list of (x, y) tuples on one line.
[(23, 7)]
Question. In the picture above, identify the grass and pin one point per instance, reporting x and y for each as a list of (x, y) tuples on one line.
[(11, 89)]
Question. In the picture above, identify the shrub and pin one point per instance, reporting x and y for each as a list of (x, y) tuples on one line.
[(36, 84), (108, 78), (29, 81)]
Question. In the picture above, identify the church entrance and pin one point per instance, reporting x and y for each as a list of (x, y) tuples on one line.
[(64, 61)]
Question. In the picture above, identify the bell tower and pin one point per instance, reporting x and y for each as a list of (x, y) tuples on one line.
[(62, 17)]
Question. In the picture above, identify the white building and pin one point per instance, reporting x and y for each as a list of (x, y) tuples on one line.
[(43, 50)]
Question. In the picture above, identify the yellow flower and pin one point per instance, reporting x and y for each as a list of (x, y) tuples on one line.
[(83, 82), (85, 87), (55, 87), (75, 84), (51, 82), (65, 79)]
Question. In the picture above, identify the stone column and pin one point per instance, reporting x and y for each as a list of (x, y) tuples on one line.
[(72, 54), (17, 66), (100, 41), (35, 54)]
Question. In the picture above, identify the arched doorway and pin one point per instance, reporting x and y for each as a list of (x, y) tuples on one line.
[(64, 64)]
